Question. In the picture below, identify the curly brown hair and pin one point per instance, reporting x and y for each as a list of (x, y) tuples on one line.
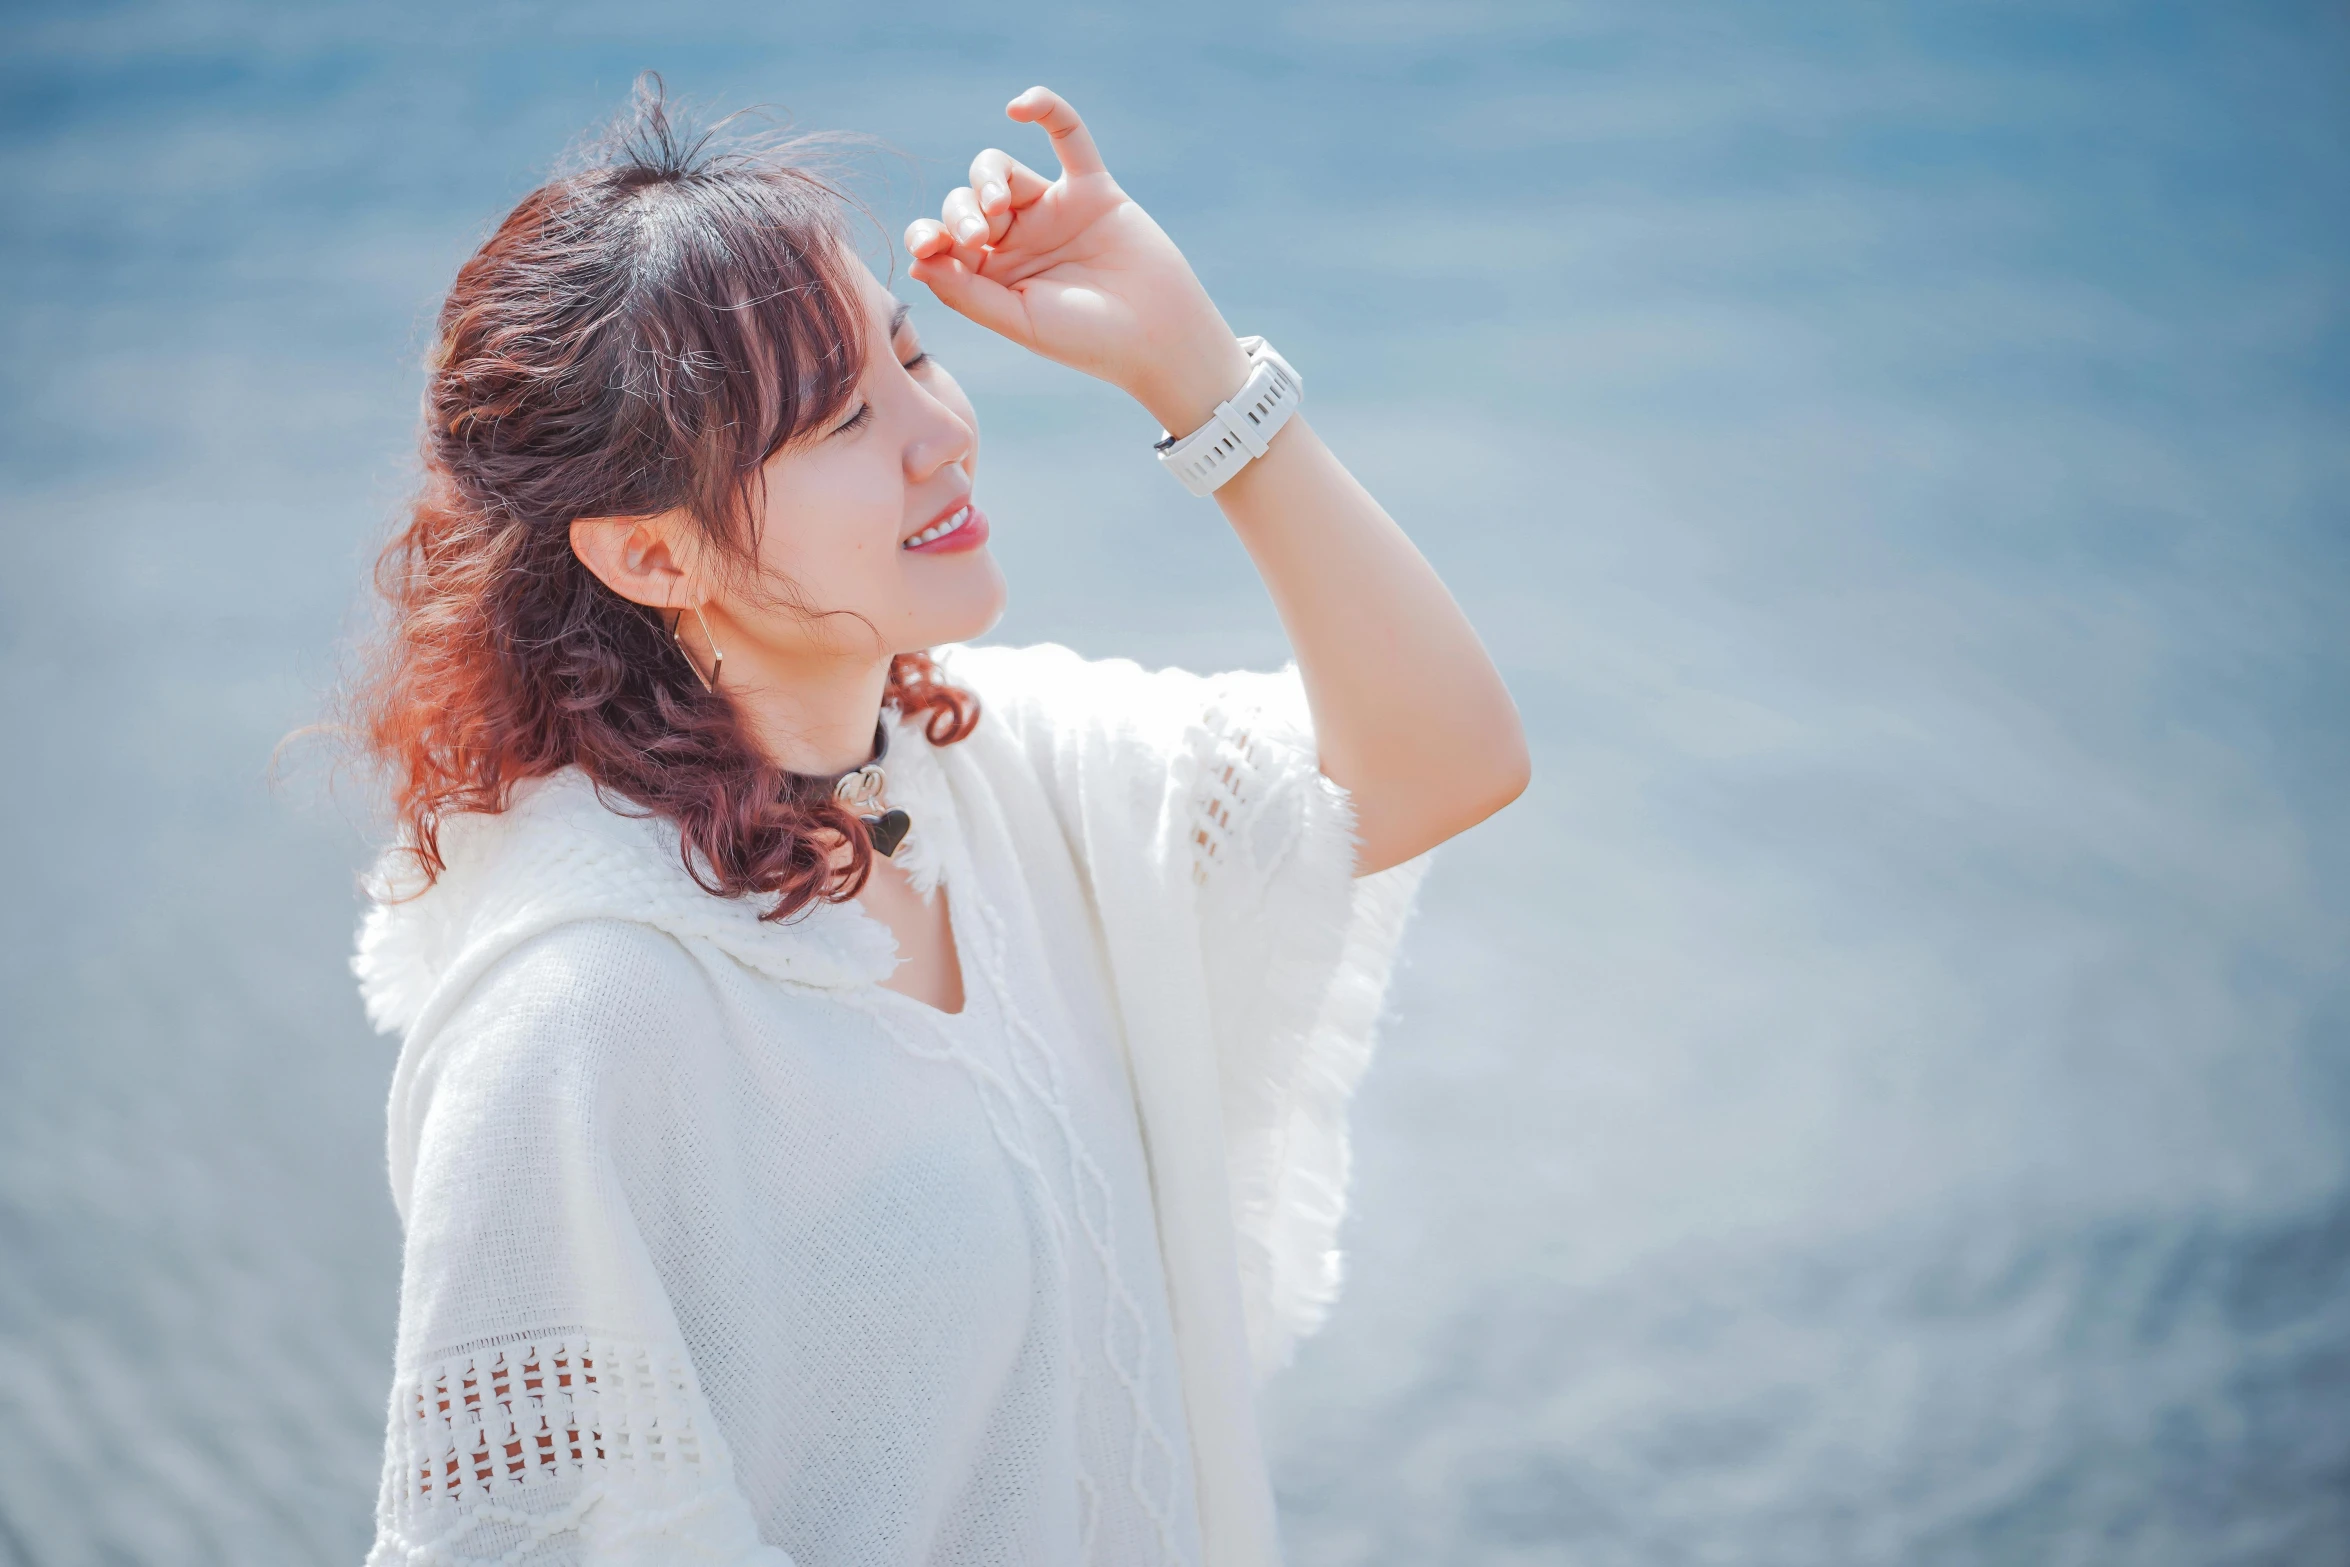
[(636, 337)]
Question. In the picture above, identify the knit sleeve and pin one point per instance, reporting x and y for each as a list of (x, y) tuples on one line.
[(1218, 779), (1298, 951), (544, 1408)]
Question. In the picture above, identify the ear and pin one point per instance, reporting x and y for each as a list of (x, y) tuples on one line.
[(635, 557)]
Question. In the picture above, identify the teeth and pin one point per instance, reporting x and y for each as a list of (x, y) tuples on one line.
[(941, 530)]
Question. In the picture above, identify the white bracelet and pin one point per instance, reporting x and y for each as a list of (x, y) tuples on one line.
[(1240, 429)]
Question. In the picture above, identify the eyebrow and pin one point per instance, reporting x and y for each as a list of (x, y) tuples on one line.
[(898, 318)]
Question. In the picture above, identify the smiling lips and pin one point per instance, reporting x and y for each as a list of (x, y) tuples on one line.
[(964, 528)]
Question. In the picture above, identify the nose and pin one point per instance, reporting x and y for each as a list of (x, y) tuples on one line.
[(941, 435)]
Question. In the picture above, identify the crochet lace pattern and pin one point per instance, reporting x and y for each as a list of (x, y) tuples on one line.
[(510, 1446)]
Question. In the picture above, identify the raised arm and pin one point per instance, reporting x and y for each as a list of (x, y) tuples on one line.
[(1409, 713)]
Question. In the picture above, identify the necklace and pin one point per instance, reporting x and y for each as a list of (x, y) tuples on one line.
[(862, 787)]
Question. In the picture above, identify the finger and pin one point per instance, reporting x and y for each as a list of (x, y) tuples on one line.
[(991, 200), (1072, 142), (1004, 183), (927, 237), (966, 223), (966, 293)]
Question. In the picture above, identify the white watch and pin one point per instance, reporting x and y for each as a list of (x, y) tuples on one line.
[(1239, 429)]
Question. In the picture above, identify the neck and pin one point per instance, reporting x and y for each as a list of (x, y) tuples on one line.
[(806, 715)]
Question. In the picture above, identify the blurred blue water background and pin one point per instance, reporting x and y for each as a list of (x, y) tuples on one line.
[(1881, 1098)]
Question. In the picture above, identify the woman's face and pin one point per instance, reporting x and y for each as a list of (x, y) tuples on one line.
[(869, 521)]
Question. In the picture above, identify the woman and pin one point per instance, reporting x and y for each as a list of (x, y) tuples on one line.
[(865, 1098)]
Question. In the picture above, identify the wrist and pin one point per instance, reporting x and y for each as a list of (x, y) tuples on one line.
[(1239, 429), (1183, 387)]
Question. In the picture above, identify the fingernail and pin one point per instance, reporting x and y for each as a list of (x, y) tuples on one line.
[(993, 193), (971, 228)]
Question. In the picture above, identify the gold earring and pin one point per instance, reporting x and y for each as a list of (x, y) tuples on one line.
[(717, 658)]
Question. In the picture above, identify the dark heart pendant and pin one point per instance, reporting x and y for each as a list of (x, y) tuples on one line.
[(887, 831)]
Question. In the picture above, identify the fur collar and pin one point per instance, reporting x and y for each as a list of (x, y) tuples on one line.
[(561, 852)]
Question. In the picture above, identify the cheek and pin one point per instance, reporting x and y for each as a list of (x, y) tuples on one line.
[(833, 525)]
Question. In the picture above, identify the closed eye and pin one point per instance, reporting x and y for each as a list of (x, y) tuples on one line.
[(864, 414)]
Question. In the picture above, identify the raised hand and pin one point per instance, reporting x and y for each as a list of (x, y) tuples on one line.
[(1410, 716), (1073, 269)]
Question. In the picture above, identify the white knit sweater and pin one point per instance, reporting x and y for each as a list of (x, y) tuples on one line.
[(717, 1250)]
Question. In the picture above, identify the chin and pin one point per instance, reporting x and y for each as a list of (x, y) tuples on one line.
[(967, 615)]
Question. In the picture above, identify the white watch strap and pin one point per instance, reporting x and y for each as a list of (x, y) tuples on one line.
[(1239, 429)]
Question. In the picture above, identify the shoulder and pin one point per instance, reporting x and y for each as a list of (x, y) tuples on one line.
[(584, 977), (1036, 680), (1045, 694), (587, 1014), (1058, 707), (564, 854), (560, 851)]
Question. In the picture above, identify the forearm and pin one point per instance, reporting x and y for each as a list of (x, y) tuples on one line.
[(1411, 716)]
